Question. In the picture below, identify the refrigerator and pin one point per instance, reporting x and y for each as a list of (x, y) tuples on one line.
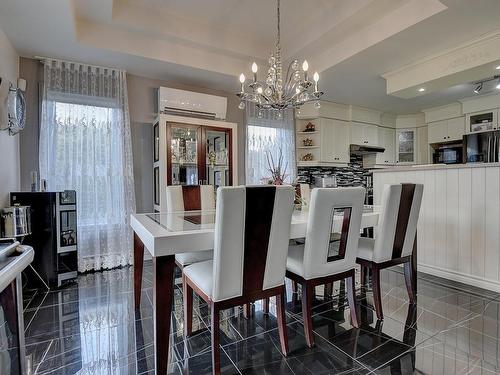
[(483, 147)]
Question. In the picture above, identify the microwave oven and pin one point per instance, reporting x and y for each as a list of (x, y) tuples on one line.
[(450, 154), (482, 121)]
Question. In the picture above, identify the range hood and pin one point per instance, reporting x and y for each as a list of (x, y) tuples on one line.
[(365, 149)]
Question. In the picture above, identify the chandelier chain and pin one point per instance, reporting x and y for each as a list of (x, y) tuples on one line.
[(279, 22)]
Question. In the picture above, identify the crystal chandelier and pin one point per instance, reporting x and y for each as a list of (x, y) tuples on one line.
[(280, 92)]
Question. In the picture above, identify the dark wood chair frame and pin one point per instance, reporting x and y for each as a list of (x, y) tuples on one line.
[(308, 286), (308, 294), (215, 308), (410, 271)]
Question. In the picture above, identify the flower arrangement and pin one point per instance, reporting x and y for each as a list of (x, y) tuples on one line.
[(278, 171), (310, 127)]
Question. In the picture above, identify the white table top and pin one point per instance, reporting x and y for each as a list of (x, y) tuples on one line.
[(186, 231)]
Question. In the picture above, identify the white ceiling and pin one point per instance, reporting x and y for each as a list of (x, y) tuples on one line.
[(207, 43)]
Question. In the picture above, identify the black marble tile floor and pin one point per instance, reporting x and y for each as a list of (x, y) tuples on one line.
[(90, 327)]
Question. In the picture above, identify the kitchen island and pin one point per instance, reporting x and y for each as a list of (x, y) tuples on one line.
[(459, 224)]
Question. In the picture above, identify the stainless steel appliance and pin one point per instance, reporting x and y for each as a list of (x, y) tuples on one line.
[(16, 221), (482, 147), (329, 181), (448, 154), (482, 121)]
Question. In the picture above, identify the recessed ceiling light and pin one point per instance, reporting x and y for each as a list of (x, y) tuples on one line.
[(422, 89), (478, 88)]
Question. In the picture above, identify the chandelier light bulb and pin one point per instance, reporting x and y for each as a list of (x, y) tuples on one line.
[(242, 78), (316, 77), (254, 67), (305, 66)]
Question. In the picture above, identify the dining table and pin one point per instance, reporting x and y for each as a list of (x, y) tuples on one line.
[(167, 234)]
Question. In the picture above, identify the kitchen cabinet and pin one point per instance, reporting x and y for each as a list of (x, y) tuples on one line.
[(406, 146), (364, 134), (446, 130), (334, 141), (387, 140)]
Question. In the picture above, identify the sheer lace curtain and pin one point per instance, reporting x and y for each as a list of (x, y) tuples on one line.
[(267, 131), (85, 145)]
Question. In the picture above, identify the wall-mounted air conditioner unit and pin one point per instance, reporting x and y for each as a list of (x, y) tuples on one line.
[(189, 103)]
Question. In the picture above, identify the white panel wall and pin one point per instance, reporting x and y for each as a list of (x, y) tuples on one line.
[(459, 225)]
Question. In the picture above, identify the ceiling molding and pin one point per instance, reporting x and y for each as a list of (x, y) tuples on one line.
[(468, 62)]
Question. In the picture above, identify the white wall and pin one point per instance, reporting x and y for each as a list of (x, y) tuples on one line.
[(9, 146)]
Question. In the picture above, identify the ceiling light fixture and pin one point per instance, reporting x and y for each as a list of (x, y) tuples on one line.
[(479, 84), (498, 67), (280, 91), (498, 84), (422, 89), (478, 88)]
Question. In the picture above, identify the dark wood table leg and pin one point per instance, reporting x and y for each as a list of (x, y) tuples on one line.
[(414, 264), (163, 293), (138, 266)]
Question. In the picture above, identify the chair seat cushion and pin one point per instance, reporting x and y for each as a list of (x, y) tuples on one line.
[(365, 248), (295, 259), (185, 259), (201, 274)]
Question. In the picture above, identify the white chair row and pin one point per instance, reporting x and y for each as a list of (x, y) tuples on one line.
[(251, 253)]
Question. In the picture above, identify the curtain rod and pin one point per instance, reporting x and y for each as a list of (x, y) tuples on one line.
[(43, 59)]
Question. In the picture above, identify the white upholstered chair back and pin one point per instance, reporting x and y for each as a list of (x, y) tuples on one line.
[(252, 230), (325, 204), (397, 225)]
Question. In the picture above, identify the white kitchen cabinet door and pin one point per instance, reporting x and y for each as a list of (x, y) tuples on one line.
[(438, 131), (423, 151), (456, 128), (327, 141), (387, 140), (371, 134), (334, 141), (364, 134), (406, 145), (357, 133), (341, 147)]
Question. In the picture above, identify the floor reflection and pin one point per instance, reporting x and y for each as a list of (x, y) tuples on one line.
[(91, 328)]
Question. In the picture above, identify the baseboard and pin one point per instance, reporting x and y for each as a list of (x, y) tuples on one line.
[(461, 278)]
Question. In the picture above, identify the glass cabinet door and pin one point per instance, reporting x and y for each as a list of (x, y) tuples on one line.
[(217, 157), (406, 142), (183, 155)]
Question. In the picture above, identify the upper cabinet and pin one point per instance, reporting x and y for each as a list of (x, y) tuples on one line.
[(406, 146), (364, 134), (334, 141), (387, 140), (446, 130), (327, 144)]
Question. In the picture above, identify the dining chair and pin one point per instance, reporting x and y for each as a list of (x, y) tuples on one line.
[(191, 198), (394, 239), (252, 229), (320, 261)]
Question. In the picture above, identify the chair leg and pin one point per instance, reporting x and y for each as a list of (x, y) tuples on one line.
[(351, 297), (247, 310), (377, 299), (409, 281), (328, 288), (280, 310), (215, 339), (265, 303), (307, 294), (363, 275), (187, 292)]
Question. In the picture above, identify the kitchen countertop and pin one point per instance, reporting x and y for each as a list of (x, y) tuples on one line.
[(424, 167)]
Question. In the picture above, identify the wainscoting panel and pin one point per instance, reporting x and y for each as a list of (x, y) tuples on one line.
[(459, 225)]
